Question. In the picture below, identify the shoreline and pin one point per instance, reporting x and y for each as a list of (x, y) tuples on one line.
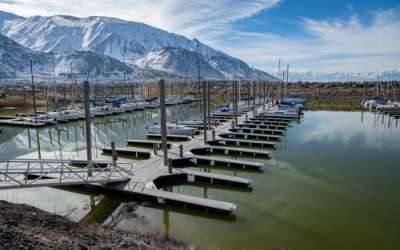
[(26, 227)]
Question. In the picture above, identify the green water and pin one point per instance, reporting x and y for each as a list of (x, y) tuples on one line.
[(333, 183)]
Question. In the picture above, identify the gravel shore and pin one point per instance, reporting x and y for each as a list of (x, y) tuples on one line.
[(26, 227)]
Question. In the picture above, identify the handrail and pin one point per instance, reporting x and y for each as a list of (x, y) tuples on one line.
[(60, 170)]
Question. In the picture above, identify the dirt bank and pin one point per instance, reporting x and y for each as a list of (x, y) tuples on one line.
[(26, 227)]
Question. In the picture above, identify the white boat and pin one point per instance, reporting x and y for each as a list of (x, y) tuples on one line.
[(82, 115), (101, 111), (172, 100), (190, 99), (118, 110), (152, 104), (70, 114), (140, 105), (374, 103), (64, 115), (129, 107), (172, 129), (40, 119)]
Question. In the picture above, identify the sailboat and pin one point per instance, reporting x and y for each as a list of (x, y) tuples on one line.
[(172, 129)]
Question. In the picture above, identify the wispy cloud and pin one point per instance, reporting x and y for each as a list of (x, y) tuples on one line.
[(187, 17), (341, 45)]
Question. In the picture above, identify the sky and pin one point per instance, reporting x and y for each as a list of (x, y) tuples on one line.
[(310, 35)]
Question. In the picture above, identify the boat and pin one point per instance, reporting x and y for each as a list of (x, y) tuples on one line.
[(172, 129), (45, 119), (71, 114), (102, 111), (373, 103), (172, 100), (188, 99), (64, 115), (117, 110), (129, 107), (151, 104)]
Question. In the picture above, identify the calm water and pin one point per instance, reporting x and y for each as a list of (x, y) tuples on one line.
[(332, 184)]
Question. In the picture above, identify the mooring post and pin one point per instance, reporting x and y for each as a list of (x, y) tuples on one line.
[(114, 154), (33, 93), (248, 96), (163, 124), (204, 112), (213, 134), (181, 150), (86, 92), (254, 100), (208, 105), (237, 102), (247, 117), (233, 124), (155, 148)]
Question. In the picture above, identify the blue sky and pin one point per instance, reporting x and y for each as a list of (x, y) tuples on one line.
[(310, 35)]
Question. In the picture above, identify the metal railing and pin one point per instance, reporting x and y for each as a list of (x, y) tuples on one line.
[(27, 172)]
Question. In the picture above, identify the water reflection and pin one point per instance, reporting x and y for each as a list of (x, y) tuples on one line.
[(335, 176)]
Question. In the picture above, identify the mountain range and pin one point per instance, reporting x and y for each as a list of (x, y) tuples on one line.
[(388, 75), (104, 47)]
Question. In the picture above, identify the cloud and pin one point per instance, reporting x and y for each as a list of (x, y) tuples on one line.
[(187, 17), (342, 45), (330, 45)]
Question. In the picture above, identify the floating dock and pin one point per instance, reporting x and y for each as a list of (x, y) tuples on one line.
[(241, 142), (169, 137), (250, 136), (146, 143), (232, 151), (137, 153), (257, 131)]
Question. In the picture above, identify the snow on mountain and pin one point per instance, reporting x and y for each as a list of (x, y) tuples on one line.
[(122, 40), (345, 76), (85, 63), (15, 63), (15, 59), (179, 61), (6, 18)]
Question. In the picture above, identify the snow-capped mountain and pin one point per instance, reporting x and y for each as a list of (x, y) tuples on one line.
[(15, 59), (345, 76), (6, 17), (122, 40), (85, 63), (179, 61), (15, 63)]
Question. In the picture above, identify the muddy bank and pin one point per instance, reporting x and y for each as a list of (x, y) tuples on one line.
[(26, 227)]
